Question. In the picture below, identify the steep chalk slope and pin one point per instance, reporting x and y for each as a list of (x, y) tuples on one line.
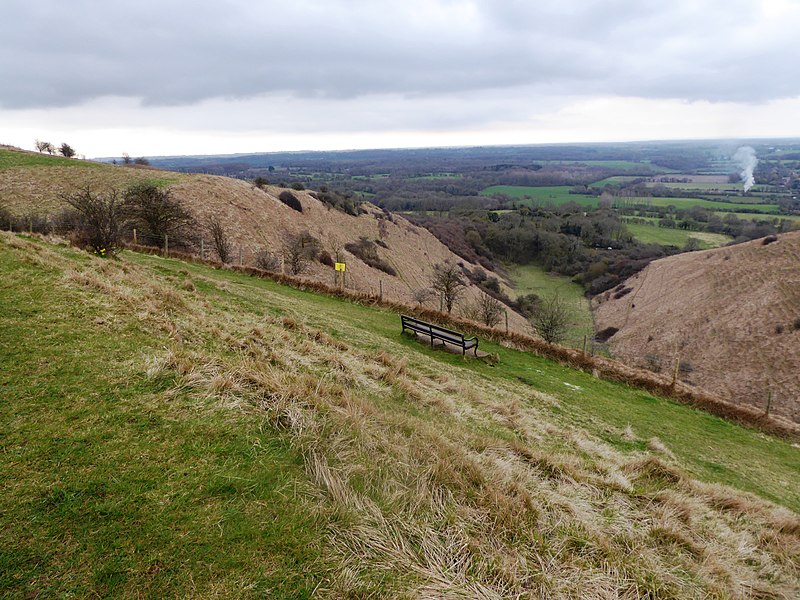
[(730, 315)]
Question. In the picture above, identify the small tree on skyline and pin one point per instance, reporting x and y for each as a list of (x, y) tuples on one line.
[(66, 150)]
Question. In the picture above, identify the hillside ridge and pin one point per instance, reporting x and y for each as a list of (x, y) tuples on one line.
[(254, 219)]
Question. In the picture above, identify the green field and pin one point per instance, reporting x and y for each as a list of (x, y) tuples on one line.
[(532, 279), (176, 430), (530, 196), (11, 159), (652, 234), (689, 202)]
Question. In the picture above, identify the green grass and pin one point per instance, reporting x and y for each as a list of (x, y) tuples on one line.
[(13, 159), (689, 202), (532, 279), (118, 484), (556, 195), (110, 488), (709, 447), (652, 234)]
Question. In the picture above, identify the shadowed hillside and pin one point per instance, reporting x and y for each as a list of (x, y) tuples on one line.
[(731, 316)]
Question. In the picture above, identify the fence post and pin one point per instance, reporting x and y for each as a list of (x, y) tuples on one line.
[(584, 344), (134, 237), (506, 311), (166, 244), (381, 293), (202, 249), (677, 369), (769, 402)]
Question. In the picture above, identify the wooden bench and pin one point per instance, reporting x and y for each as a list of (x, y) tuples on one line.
[(446, 336)]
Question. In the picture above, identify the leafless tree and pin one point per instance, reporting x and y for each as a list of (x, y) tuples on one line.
[(157, 213), (100, 220), (268, 261), (486, 310), (448, 282), (44, 146), (220, 239), (298, 250), (550, 319)]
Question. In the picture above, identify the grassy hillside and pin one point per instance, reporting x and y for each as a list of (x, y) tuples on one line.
[(32, 185), (175, 430)]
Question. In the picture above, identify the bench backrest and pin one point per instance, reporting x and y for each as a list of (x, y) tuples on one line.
[(436, 331)]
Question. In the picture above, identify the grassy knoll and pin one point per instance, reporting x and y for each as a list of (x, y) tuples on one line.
[(176, 430), (532, 279), (653, 234), (689, 202), (557, 195), (14, 159)]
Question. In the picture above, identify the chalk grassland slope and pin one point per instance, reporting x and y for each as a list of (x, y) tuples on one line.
[(174, 430), (729, 312), (254, 218)]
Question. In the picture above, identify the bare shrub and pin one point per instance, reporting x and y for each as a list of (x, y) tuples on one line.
[(550, 320), (220, 240), (268, 261), (157, 214), (298, 250), (100, 221), (423, 295), (653, 363), (485, 309)]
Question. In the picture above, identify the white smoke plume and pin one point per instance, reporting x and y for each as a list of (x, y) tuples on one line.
[(745, 158)]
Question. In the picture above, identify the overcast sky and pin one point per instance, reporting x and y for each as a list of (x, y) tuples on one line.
[(205, 77)]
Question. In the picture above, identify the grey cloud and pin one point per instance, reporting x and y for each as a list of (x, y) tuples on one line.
[(54, 53)]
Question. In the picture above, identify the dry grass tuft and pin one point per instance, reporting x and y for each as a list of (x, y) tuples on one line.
[(654, 469)]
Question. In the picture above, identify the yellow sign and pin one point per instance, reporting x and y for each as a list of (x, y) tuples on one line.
[(340, 267)]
